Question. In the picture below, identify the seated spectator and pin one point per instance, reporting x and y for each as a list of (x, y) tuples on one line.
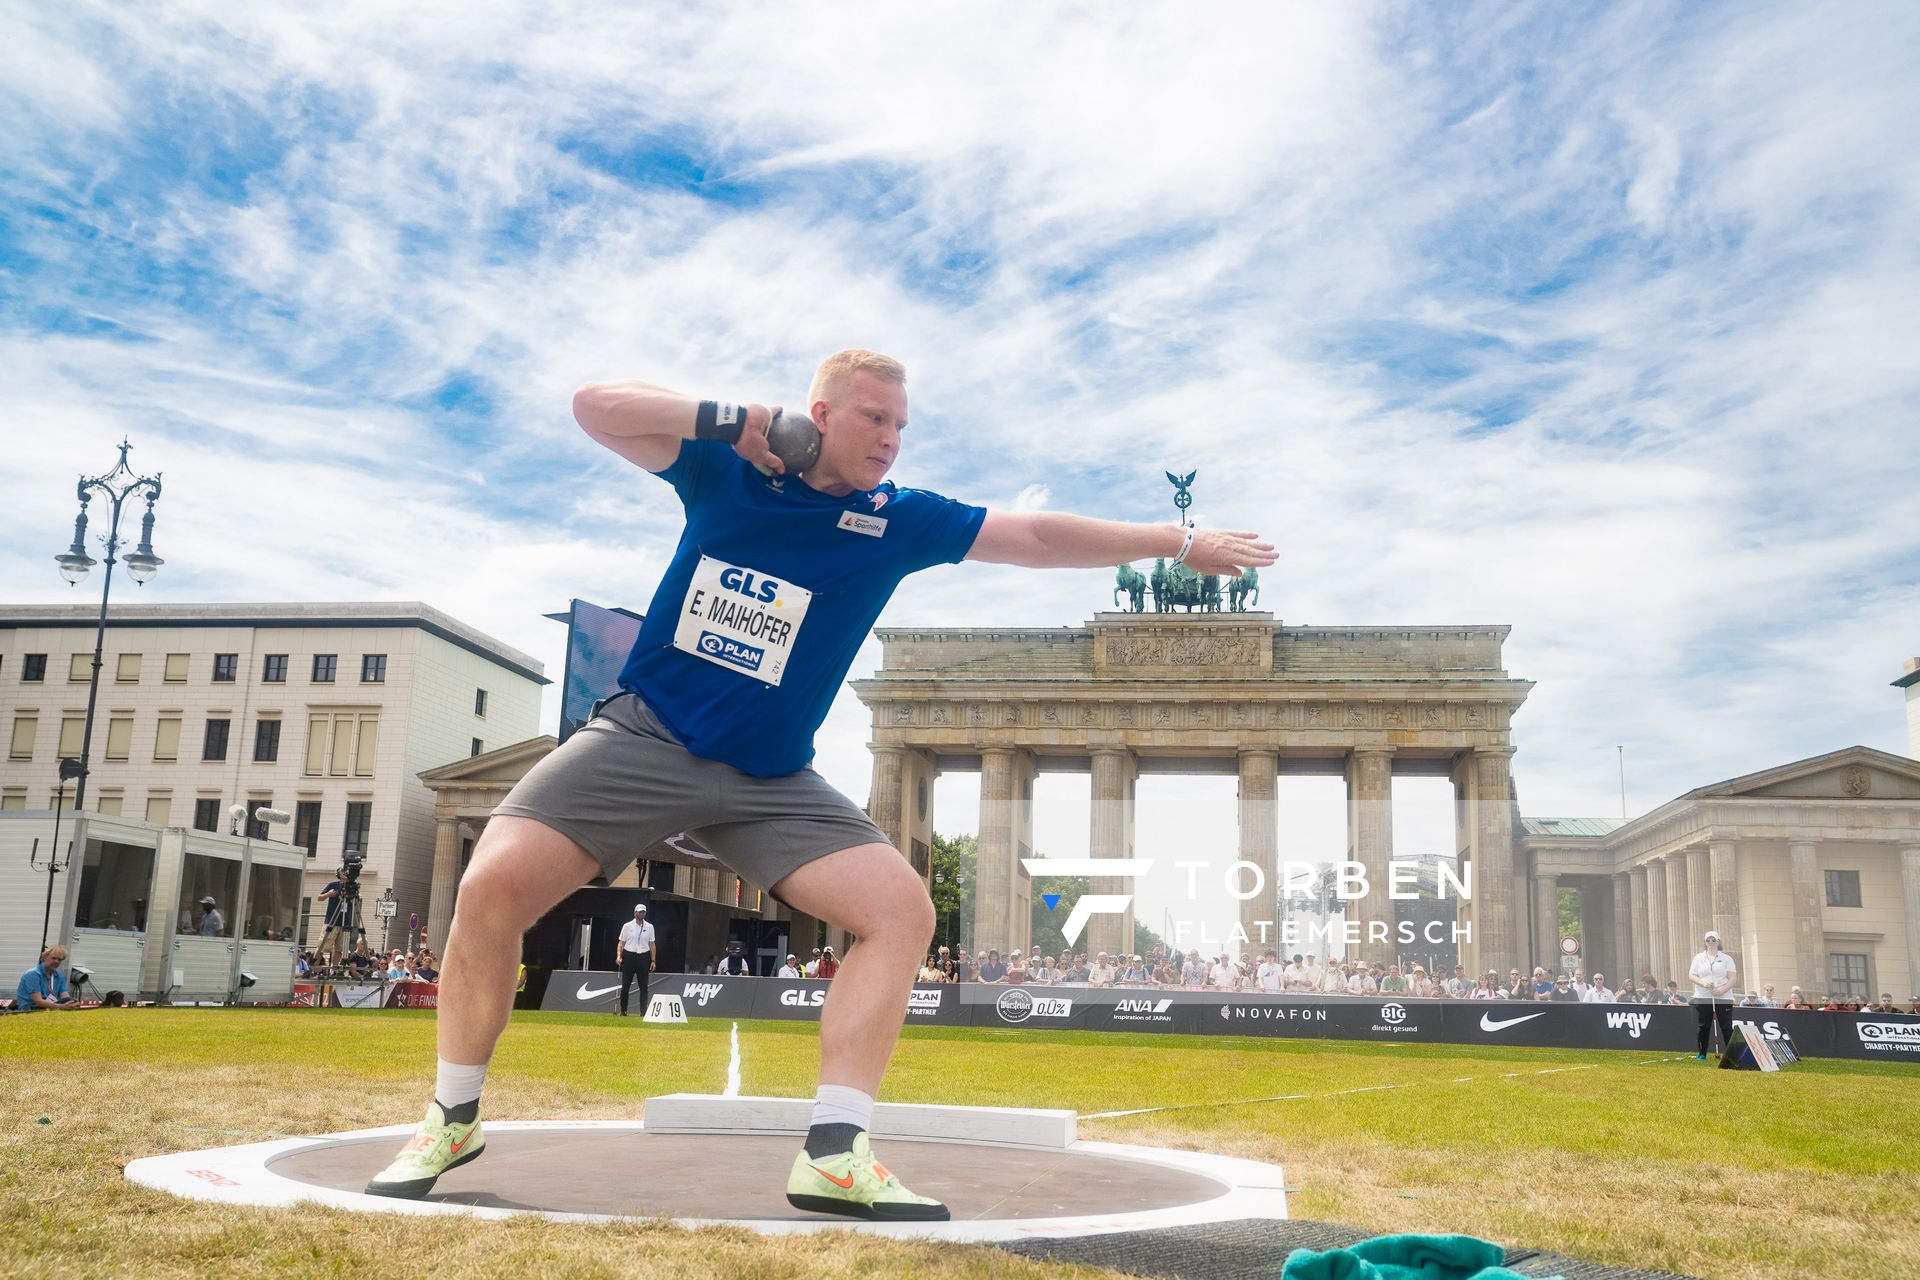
[(1513, 985), (1459, 986), (44, 986), (929, 972), (360, 962), (1193, 973), (1541, 987), (1135, 974), (943, 961), (1482, 990), (303, 965), (1018, 975), (1673, 995), (1334, 982), (1886, 1005), (1579, 984), (429, 967), (1360, 981), (966, 969), (791, 969), (1627, 994), (993, 969), (1597, 992), (1167, 973), (1563, 991), (829, 964), (1393, 983), (1045, 975), (1767, 1000), (397, 966), (1796, 999), (1101, 973), (1315, 972)]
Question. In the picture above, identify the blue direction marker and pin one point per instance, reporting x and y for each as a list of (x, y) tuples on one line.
[(1051, 899)]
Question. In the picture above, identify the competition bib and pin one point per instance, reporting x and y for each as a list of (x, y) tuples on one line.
[(741, 619)]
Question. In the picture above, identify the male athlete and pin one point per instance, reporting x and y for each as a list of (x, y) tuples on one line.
[(774, 586)]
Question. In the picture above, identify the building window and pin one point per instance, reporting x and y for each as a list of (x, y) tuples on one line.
[(1847, 974), (373, 668), (323, 666), (359, 823), (226, 668), (128, 669), (255, 828), (166, 738), (202, 876), (13, 800), (24, 729), (306, 826), (119, 737), (206, 814), (176, 672), (215, 746), (363, 747), (480, 702), (79, 668), (478, 747), (108, 806), (1843, 888), (33, 668), (72, 731), (266, 740), (274, 669), (159, 810)]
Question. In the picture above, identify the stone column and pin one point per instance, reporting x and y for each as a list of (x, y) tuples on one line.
[(729, 888), (446, 881), (1659, 939), (1642, 952), (1910, 882), (1621, 961), (1260, 845), (1679, 934), (1370, 842), (706, 883), (1546, 922), (884, 799), (1809, 929), (1499, 939), (1466, 911), (1113, 773), (1699, 899), (1723, 858), (997, 869)]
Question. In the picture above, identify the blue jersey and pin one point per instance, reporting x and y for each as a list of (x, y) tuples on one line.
[(769, 595)]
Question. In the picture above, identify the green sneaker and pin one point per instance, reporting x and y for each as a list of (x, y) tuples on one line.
[(436, 1147), (855, 1184)]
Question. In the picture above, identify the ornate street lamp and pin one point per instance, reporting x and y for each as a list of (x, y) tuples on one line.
[(116, 486)]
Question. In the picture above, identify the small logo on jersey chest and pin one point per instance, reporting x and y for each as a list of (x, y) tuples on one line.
[(872, 526)]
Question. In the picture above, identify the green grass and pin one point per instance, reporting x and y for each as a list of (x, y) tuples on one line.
[(1628, 1158)]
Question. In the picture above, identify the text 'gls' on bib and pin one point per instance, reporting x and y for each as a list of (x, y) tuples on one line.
[(741, 619)]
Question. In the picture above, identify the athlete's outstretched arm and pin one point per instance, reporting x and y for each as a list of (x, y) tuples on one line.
[(1055, 540), (645, 424)]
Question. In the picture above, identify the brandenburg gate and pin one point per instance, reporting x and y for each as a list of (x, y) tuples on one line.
[(1213, 693)]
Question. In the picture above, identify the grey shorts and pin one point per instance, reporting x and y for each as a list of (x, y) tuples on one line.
[(622, 783)]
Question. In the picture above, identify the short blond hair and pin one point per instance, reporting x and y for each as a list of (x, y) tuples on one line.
[(832, 376)]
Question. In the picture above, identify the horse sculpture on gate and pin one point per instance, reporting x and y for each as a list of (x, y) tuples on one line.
[(1132, 584)]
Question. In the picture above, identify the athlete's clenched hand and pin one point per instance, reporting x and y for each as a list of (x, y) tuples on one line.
[(752, 444)]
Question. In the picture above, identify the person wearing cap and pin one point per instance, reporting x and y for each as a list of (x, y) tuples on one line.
[(634, 954), (791, 969), (1712, 973), (210, 924), (829, 963), (735, 964)]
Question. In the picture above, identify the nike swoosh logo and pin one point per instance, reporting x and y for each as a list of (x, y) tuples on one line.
[(463, 1142), (587, 993), (845, 1184), (1488, 1024)]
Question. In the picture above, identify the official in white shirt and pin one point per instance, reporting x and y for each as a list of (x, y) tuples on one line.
[(635, 953), (791, 969), (1712, 973)]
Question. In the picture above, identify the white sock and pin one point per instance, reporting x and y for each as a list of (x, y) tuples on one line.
[(455, 1084), (838, 1104)]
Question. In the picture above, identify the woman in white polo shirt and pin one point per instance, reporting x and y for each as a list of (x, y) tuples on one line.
[(1712, 973)]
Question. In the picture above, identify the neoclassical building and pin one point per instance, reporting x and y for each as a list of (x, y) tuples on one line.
[(1810, 872)]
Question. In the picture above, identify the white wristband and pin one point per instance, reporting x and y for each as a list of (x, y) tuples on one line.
[(1185, 547)]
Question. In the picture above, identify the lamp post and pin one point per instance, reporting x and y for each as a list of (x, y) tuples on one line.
[(116, 486)]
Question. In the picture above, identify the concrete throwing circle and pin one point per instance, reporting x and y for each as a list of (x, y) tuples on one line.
[(593, 1171)]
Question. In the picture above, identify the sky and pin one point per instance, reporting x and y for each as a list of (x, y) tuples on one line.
[(1582, 319)]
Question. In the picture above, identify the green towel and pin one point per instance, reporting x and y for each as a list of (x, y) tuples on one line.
[(1404, 1258)]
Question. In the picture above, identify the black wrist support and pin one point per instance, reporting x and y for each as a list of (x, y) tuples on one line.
[(716, 421)]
